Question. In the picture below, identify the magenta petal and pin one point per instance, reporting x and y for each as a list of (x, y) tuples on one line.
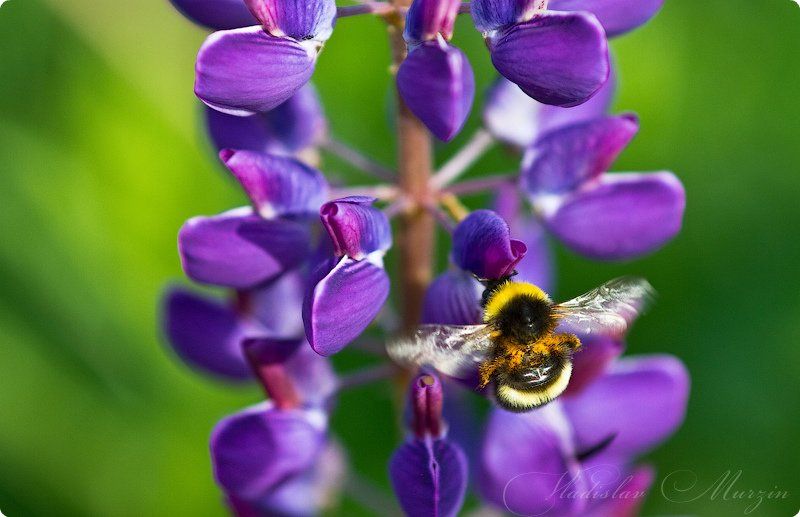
[(356, 227), (454, 298), (626, 496), (556, 58), (429, 477), (276, 185), (427, 18), (298, 19), (206, 334), (647, 396), (240, 250), (623, 216), (343, 302), (617, 16), (246, 71), (257, 449), (591, 361), (216, 14), (562, 160), (482, 245), (437, 84)]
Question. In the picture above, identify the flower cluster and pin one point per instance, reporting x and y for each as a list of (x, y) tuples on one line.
[(302, 264)]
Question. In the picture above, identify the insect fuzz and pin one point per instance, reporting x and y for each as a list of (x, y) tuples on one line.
[(530, 364)]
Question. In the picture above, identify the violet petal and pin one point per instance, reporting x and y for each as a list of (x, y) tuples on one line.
[(482, 245), (277, 306), (626, 497), (591, 361), (216, 14), (427, 18), (454, 298), (356, 227), (246, 71), (490, 15), (297, 19), (617, 16)]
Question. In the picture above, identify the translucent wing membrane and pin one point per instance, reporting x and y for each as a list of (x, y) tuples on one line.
[(608, 310), (456, 351)]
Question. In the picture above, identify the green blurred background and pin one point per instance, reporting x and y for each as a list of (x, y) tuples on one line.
[(102, 157)]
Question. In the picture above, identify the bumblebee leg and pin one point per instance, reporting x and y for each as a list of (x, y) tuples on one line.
[(487, 369)]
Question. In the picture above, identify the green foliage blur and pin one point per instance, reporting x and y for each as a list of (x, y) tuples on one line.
[(103, 156)]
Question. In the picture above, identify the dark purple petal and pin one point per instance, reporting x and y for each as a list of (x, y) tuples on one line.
[(490, 15), (257, 449), (617, 16), (291, 127), (343, 302), (647, 397), (276, 185), (426, 401), (482, 245), (206, 334), (437, 84), (297, 19), (591, 361), (246, 71), (527, 464), (556, 58), (216, 14), (626, 496), (429, 477), (562, 160), (356, 227), (427, 18), (623, 216), (454, 298), (240, 250)]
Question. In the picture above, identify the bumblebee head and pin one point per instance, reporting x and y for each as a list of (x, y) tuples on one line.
[(520, 311)]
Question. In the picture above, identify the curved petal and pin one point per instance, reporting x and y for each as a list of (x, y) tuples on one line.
[(490, 15), (240, 250), (556, 58), (647, 397), (356, 228), (626, 498), (291, 127), (277, 306), (277, 186), (454, 298), (562, 160), (429, 477), (427, 18), (216, 14), (591, 361), (206, 334), (482, 245), (257, 449), (343, 302), (246, 71), (437, 83), (617, 16), (297, 19), (536, 265), (623, 216)]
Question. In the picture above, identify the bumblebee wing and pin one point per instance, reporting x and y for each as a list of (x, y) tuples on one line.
[(608, 310), (454, 350)]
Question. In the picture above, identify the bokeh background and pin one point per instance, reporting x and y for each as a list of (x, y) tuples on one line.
[(102, 157)]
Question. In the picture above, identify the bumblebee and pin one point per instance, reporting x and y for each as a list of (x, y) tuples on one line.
[(525, 345)]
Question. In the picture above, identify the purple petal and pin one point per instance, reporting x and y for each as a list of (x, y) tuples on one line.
[(246, 71), (427, 18), (343, 302), (216, 14), (206, 334), (513, 117), (356, 227), (257, 449), (297, 19), (454, 298), (526, 463), (647, 397), (437, 84), (617, 16), (626, 498), (562, 160), (490, 15), (482, 245), (291, 127), (556, 58), (591, 361), (240, 250), (276, 185), (623, 216), (426, 403), (277, 307), (429, 477)]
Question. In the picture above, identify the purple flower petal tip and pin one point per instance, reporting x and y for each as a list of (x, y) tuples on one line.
[(437, 84), (356, 227), (246, 71), (482, 245), (216, 14), (621, 217), (427, 18), (427, 401), (429, 477), (297, 19), (591, 361), (241, 250), (490, 15), (277, 185), (556, 58), (205, 334), (342, 303), (454, 298), (617, 16), (562, 160)]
